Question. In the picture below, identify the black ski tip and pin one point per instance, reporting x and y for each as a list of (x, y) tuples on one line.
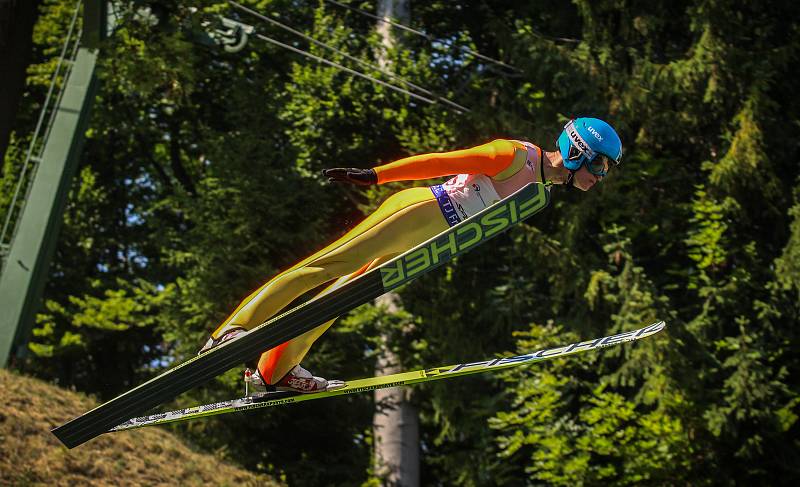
[(65, 439)]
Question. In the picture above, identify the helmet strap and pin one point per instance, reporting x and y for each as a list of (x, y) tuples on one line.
[(570, 183)]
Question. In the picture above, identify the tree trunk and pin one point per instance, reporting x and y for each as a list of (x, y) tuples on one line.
[(396, 421), (393, 9)]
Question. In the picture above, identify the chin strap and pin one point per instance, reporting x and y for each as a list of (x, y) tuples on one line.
[(570, 179)]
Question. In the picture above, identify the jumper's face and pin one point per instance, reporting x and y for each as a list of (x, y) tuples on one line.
[(584, 180)]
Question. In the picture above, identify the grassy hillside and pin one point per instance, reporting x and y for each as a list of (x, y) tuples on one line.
[(31, 455)]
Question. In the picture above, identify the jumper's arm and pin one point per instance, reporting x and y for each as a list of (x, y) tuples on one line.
[(492, 159)]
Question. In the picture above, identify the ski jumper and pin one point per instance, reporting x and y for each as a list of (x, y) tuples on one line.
[(485, 174)]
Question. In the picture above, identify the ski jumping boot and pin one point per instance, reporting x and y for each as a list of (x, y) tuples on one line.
[(298, 380), (229, 334)]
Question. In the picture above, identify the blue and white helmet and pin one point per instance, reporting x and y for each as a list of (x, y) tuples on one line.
[(592, 142)]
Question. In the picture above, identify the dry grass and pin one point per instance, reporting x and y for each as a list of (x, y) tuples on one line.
[(31, 455)]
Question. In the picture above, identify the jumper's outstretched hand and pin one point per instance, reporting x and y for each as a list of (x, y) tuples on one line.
[(352, 175)]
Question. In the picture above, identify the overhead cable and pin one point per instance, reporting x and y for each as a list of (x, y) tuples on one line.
[(420, 33), (348, 56), (344, 68)]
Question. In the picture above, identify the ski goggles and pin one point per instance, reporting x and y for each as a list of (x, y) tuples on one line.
[(598, 164)]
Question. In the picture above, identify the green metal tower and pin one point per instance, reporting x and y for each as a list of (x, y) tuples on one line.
[(25, 270)]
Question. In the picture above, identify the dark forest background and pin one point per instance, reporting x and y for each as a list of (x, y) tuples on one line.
[(200, 179)]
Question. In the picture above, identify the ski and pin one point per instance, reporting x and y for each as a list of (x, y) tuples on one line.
[(429, 255), (270, 399)]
